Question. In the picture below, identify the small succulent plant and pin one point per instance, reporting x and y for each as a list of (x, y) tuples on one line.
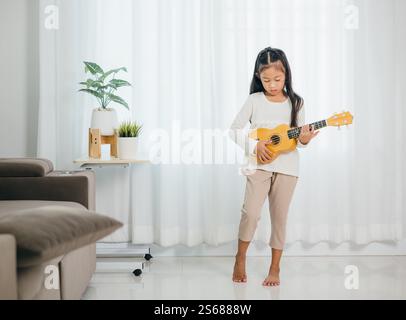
[(129, 129)]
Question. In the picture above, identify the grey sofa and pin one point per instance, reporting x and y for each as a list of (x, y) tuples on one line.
[(32, 183)]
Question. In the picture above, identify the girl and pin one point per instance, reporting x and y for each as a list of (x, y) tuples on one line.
[(271, 102)]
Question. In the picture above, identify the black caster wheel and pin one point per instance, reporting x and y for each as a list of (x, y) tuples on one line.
[(137, 272), (148, 257)]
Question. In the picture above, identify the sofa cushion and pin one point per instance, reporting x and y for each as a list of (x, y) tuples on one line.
[(25, 167), (48, 231)]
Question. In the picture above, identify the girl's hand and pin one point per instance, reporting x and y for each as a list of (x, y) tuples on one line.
[(264, 154), (307, 133)]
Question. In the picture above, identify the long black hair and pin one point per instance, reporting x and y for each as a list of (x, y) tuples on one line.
[(276, 57)]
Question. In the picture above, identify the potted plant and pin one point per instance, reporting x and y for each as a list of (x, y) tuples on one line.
[(128, 133), (103, 85)]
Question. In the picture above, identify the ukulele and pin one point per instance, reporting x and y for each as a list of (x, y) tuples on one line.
[(284, 138)]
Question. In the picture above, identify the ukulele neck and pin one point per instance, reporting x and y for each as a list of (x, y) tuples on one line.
[(295, 132)]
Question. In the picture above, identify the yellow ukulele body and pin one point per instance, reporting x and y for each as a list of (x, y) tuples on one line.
[(279, 138)]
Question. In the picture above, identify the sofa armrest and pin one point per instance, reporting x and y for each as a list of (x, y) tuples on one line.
[(74, 186), (8, 267)]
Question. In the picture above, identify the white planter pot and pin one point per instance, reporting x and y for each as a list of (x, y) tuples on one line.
[(106, 120), (127, 148)]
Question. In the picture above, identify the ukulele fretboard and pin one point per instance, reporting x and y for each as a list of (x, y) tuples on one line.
[(295, 132)]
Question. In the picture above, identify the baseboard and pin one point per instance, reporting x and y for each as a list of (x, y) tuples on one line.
[(258, 248)]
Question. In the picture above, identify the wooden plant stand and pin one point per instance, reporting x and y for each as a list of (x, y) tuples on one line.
[(96, 140)]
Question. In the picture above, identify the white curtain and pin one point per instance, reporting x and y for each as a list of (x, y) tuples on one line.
[(190, 63)]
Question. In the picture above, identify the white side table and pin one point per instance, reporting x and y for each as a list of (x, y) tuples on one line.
[(111, 251)]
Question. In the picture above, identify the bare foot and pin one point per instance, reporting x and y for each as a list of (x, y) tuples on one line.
[(239, 274), (273, 277)]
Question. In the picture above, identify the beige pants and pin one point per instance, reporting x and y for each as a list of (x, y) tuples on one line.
[(279, 188)]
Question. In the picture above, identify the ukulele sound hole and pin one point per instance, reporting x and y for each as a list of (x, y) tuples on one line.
[(275, 140)]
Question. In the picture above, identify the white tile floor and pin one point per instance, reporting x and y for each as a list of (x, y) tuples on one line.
[(380, 277)]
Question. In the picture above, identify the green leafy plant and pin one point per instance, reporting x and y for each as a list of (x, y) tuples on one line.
[(129, 129), (102, 88)]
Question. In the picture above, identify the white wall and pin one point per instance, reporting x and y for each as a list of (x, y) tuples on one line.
[(19, 77)]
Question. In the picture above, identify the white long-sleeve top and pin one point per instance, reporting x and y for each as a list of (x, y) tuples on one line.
[(263, 113)]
